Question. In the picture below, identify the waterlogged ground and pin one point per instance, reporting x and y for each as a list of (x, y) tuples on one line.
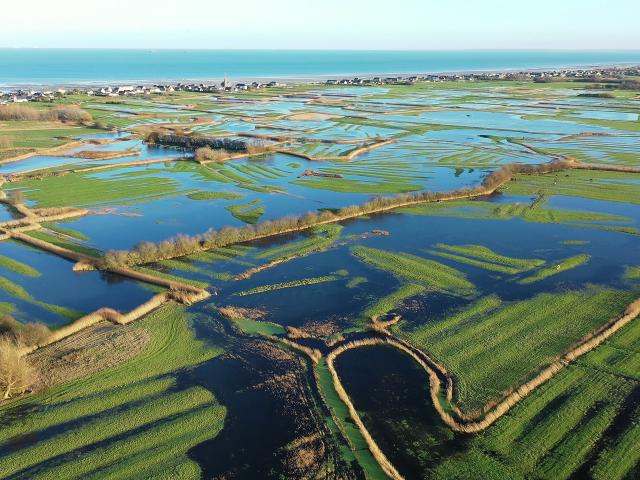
[(493, 288)]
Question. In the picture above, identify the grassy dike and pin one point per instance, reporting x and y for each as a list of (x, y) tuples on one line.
[(133, 420), (340, 422)]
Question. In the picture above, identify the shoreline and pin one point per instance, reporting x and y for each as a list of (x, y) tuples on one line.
[(311, 78)]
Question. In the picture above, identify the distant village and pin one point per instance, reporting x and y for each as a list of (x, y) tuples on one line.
[(33, 95), (541, 76)]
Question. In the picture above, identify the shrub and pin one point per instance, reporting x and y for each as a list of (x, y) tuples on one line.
[(70, 113), (258, 147), (208, 154), (17, 376), (27, 334)]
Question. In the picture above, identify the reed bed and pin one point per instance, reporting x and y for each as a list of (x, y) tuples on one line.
[(62, 113)]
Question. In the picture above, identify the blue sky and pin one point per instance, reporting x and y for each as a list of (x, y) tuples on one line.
[(326, 24)]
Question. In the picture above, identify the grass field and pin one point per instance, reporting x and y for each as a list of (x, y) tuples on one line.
[(491, 345), (134, 420), (258, 327), (561, 266), (341, 420), (247, 212), (18, 267), (483, 257), (205, 195), (534, 212), (292, 284), (597, 185), (584, 423), (84, 189), (35, 134), (321, 238), (431, 275), (69, 232), (346, 185), (19, 292), (389, 302), (63, 242)]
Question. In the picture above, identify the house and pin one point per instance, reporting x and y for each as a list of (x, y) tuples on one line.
[(123, 90)]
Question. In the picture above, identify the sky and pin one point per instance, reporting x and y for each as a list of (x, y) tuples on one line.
[(325, 24)]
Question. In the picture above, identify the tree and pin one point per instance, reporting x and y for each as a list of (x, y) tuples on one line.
[(17, 376)]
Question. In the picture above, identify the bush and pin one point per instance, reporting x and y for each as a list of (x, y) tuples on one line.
[(258, 148), (27, 334), (17, 376), (70, 113), (208, 154)]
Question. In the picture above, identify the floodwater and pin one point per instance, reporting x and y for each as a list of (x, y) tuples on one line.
[(462, 138)]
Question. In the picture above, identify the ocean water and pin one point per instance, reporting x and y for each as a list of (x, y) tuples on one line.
[(78, 66)]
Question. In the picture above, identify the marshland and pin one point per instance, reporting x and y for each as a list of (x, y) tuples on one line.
[(432, 280)]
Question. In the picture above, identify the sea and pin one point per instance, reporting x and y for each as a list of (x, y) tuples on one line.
[(33, 67)]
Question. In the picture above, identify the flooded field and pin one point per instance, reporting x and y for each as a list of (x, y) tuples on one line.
[(466, 243)]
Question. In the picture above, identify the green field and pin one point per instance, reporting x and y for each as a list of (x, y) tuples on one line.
[(491, 345), (292, 284), (583, 420), (494, 287), (433, 276), (137, 419), (596, 185)]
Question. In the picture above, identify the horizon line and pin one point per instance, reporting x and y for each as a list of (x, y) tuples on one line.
[(586, 50)]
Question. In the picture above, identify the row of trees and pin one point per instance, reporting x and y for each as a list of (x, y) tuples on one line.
[(181, 245), (193, 142)]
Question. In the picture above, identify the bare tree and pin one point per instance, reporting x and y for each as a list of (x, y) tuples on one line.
[(16, 374)]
